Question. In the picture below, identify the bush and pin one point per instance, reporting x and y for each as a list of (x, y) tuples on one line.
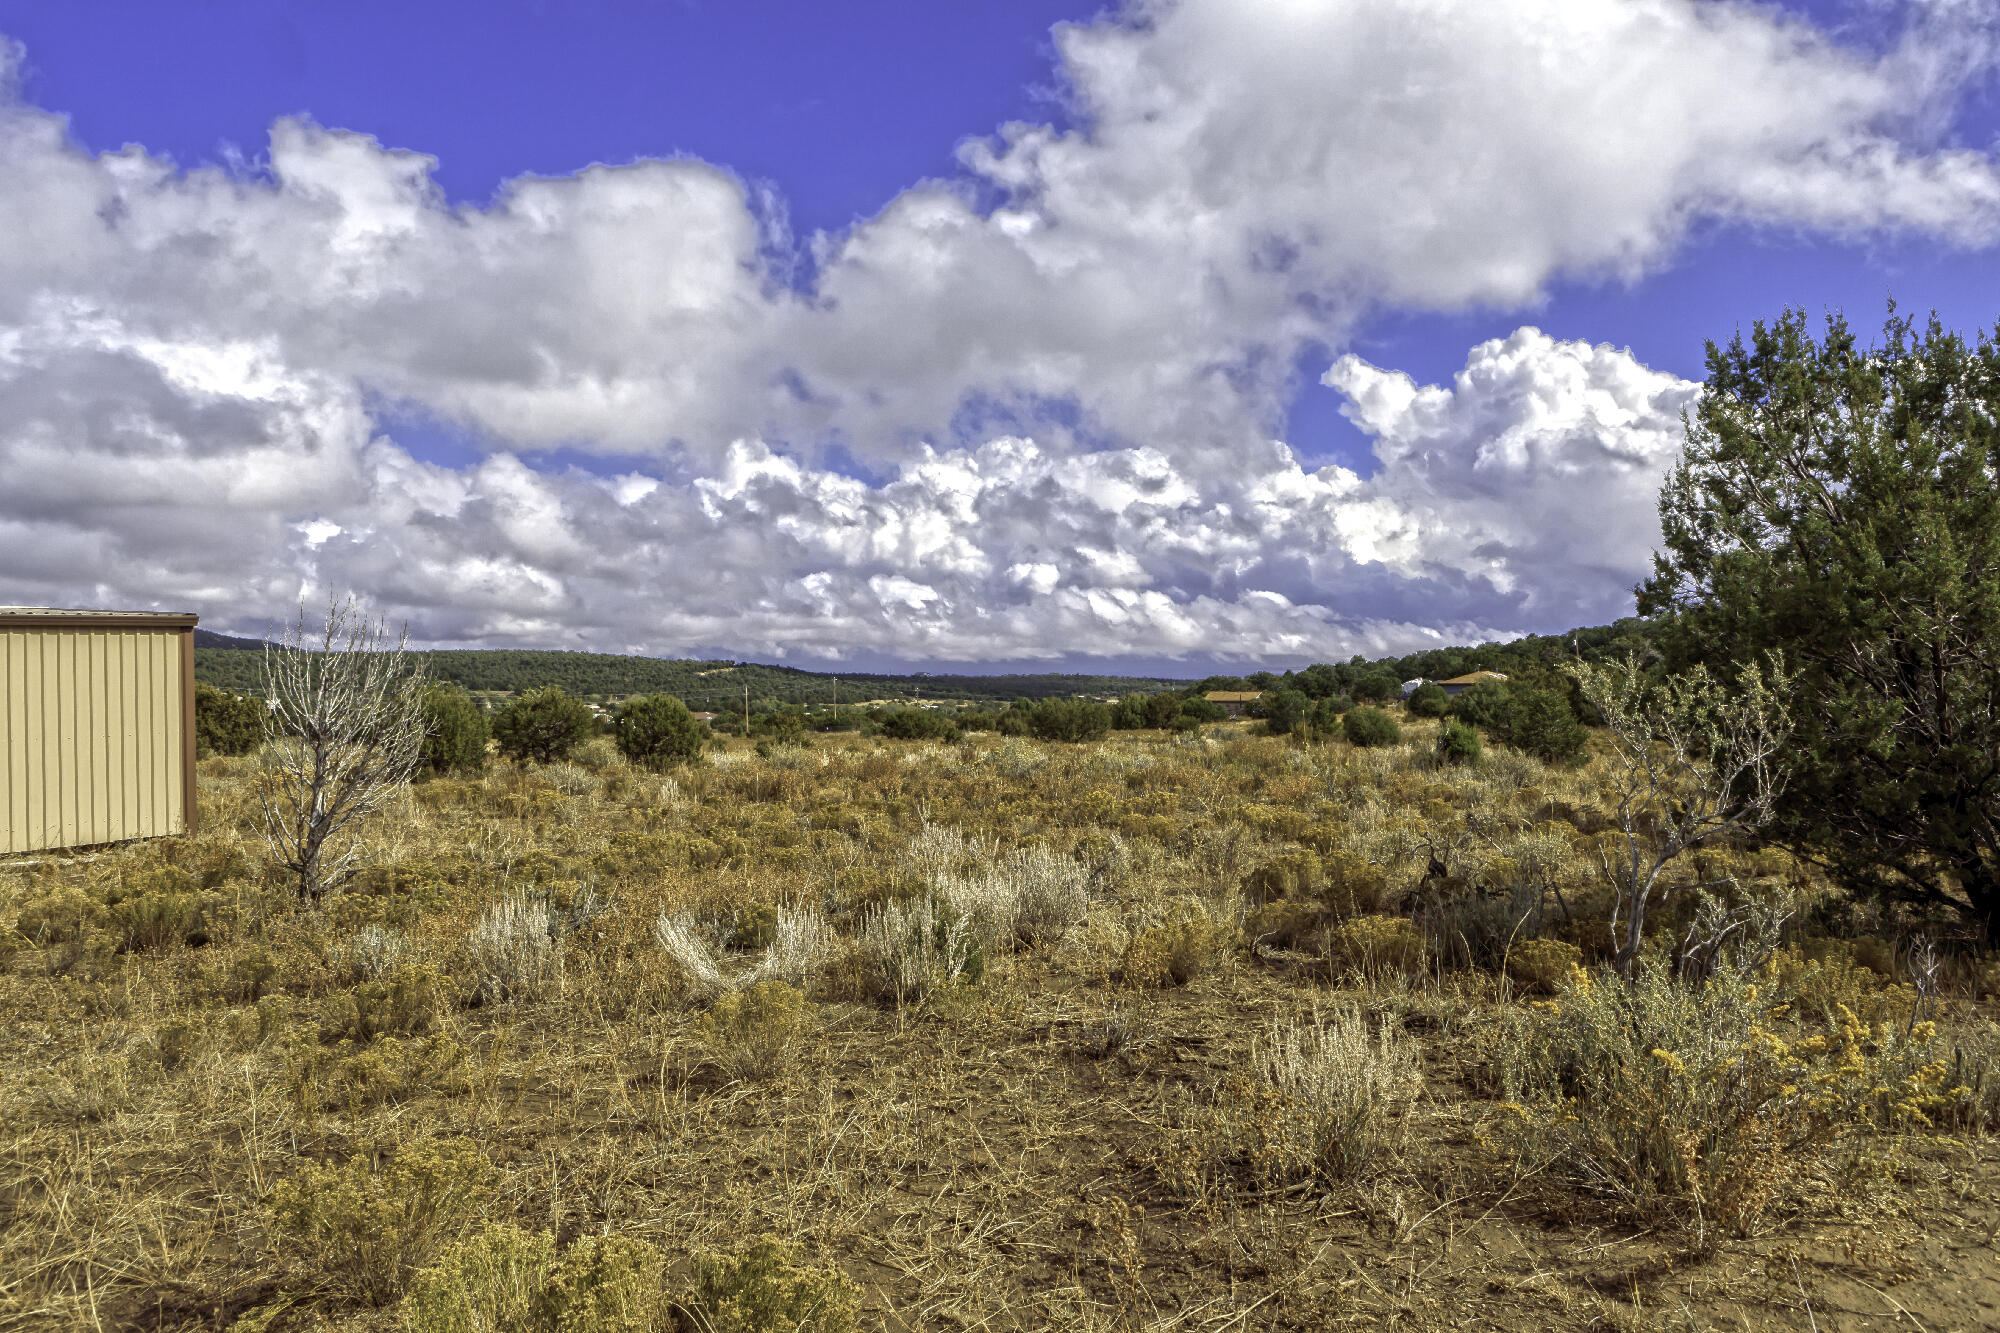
[(225, 722), (543, 725), (515, 950), (1540, 722), (1074, 720), (1543, 724), (369, 1230), (1683, 1104), (1285, 711), (764, 1289), (1377, 946), (753, 1034), (455, 731), (1542, 967), (919, 724), (1326, 1102), (1371, 727), (506, 1280), (1174, 950), (1429, 700), (912, 950), (1458, 743), (656, 731)]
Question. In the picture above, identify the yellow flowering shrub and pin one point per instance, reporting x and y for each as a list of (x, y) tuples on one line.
[(1542, 966), (504, 1278), (368, 1229), (1175, 949), (763, 1288), (1706, 1107), (752, 1034), (1377, 946)]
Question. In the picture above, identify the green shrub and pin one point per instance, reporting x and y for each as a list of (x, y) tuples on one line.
[(455, 731), (1370, 727), (368, 1230), (657, 731), (1074, 720), (1543, 724), (1538, 721), (919, 724), (754, 1034), (226, 722), (544, 725), (1458, 743), (1285, 711), (1429, 700), (762, 1288)]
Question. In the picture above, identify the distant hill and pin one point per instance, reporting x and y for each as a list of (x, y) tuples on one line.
[(719, 685), (713, 685), (208, 638)]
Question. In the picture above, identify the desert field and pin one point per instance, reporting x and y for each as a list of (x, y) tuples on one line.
[(1164, 1032)]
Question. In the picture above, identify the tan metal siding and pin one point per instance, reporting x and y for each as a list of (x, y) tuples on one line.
[(95, 736)]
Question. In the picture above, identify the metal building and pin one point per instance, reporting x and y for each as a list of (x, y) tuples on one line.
[(96, 726)]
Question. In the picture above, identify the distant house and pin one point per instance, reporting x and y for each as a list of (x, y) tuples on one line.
[(1236, 703), (1460, 684), (1410, 687)]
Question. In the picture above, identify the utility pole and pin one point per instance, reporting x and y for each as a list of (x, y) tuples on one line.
[(746, 710)]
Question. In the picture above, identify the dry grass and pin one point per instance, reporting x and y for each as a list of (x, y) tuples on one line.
[(556, 971)]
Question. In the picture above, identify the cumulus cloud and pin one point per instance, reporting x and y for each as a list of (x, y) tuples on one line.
[(192, 360)]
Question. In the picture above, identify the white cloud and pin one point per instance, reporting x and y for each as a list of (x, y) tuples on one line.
[(191, 360)]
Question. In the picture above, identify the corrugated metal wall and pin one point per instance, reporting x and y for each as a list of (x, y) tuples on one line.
[(92, 737)]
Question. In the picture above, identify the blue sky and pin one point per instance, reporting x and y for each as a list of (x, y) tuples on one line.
[(1548, 252)]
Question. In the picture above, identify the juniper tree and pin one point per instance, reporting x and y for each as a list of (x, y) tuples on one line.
[(1842, 504)]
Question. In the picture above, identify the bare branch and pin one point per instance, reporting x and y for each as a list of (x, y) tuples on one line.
[(1693, 760), (343, 732)]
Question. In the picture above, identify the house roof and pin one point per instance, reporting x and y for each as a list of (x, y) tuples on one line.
[(1232, 696), (53, 617), (1475, 678)]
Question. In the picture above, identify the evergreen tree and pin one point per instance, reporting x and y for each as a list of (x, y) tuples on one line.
[(544, 725), (657, 730), (226, 722), (1840, 504), (455, 731)]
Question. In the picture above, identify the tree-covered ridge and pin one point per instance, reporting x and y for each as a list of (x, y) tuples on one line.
[(719, 685), (709, 685)]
